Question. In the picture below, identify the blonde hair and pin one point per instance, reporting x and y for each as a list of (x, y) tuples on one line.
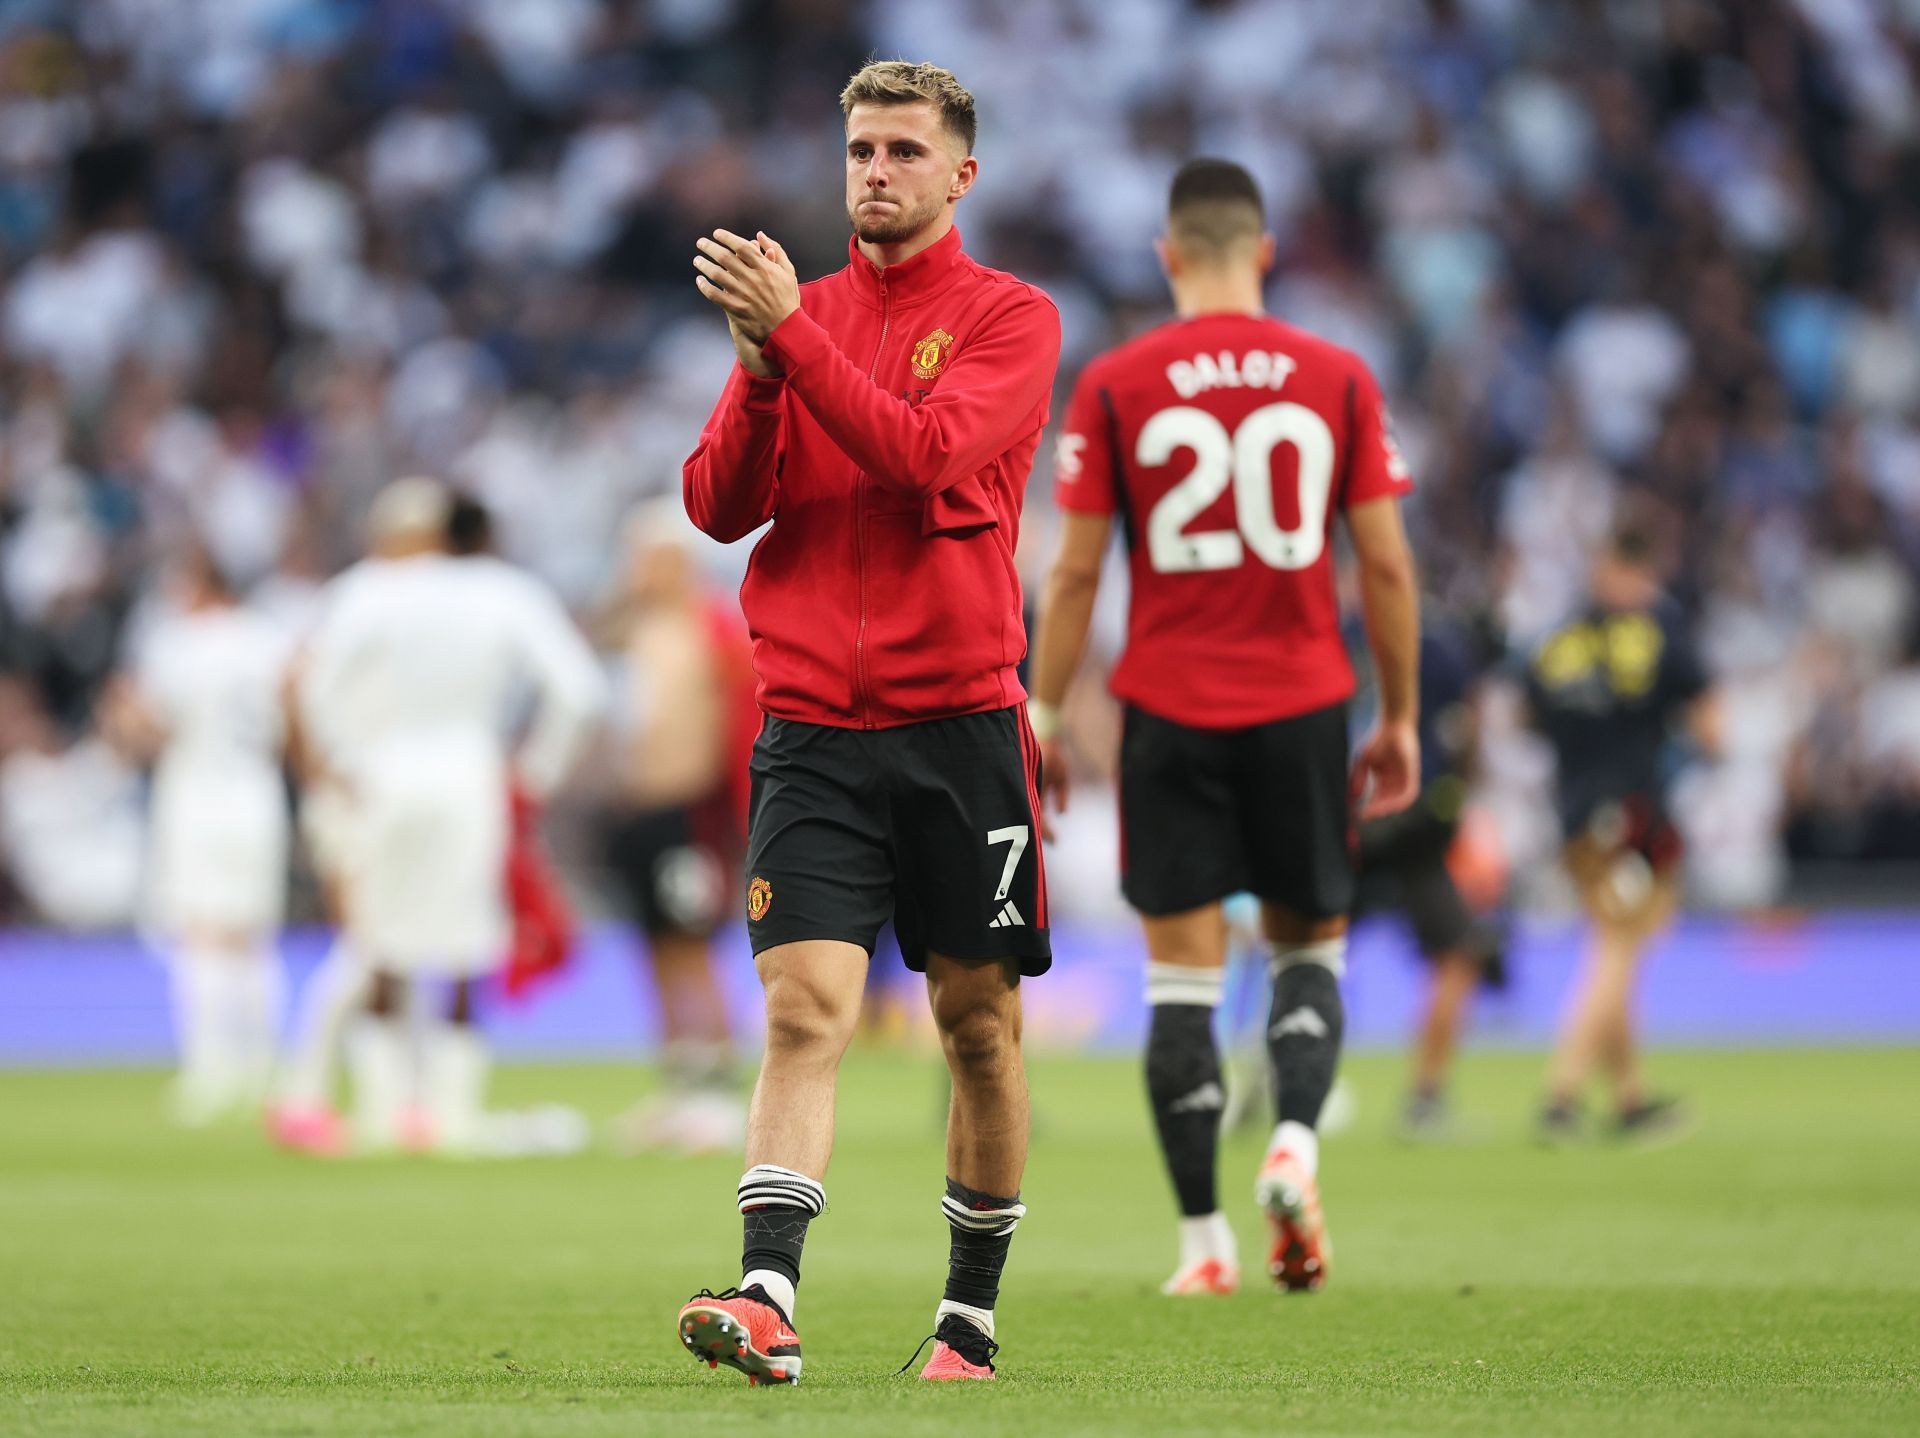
[(903, 82), (415, 507)]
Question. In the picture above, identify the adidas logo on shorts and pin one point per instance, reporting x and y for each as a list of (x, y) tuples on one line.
[(1007, 918)]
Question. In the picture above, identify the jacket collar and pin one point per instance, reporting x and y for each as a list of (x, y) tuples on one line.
[(925, 274)]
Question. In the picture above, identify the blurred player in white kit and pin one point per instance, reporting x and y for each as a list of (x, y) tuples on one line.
[(410, 687), (204, 700)]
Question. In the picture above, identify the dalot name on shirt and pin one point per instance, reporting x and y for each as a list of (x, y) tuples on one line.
[(1255, 369)]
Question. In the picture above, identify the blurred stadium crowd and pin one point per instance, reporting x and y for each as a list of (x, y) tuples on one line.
[(1610, 258)]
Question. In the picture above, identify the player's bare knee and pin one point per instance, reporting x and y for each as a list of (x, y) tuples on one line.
[(977, 1013), (1284, 926), (383, 995), (1187, 951), (978, 1037), (806, 1024)]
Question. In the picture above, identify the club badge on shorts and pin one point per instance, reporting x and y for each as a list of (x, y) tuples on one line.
[(930, 355), (759, 899)]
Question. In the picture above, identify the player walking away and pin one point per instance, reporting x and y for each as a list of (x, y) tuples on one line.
[(1404, 862), (410, 682), (303, 1117), (1608, 690), (675, 846), (204, 696), (539, 916), (884, 419), (1225, 443)]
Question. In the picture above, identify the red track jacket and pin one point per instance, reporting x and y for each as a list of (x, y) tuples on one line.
[(892, 458)]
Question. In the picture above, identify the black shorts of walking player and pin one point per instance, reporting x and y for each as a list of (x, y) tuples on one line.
[(1403, 865), (674, 867), (1205, 813), (933, 823)]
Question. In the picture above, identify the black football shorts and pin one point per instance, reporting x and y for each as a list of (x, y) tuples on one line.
[(675, 867), (1205, 813), (934, 824), (1403, 862)]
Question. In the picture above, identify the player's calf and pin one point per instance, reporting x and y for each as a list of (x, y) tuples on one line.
[(1185, 1088), (1303, 1036)]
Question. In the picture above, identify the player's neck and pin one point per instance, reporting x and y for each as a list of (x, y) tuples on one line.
[(900, 251), (1206, 293)]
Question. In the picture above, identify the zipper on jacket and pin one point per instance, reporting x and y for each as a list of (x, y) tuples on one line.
[(860, 684)]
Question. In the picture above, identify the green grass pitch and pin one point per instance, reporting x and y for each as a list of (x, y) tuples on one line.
[(1763, 1277)]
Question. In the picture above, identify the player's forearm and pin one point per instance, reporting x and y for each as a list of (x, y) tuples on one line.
[(555, 743), (573, 698), (1390, 601), (1066, 616), (981, 407), (728, 480)]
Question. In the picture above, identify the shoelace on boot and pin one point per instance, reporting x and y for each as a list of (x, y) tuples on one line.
[(756, 1293), (963, 1338)]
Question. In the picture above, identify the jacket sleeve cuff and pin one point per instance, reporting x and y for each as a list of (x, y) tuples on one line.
[(761, 396), (795, 341)]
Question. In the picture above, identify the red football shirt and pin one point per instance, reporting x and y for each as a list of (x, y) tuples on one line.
[(1226, 445)]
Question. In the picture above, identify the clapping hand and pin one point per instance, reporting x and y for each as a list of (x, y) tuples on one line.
[(753, 283)]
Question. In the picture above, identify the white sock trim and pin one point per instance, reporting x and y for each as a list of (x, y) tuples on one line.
[(1300, 1141), (980, 1318), (778, 1286), (1330, 954), (1208, 1236), (767, 1185), (1183, 984), (995, 1221)]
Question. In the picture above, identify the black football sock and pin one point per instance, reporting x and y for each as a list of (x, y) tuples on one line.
[(982, 1225), (1304, 1027), (776, 1205), (1183, 1085)]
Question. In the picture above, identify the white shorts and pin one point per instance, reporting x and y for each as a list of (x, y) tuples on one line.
[(426, 890), (219, 852)]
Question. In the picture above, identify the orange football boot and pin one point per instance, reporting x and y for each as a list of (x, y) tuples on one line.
[(1208, 1276), (312, 1129), (744, 1330), (1301, 1252), (960, 1351)]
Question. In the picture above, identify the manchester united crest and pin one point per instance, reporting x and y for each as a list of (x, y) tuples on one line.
[(759, 899), (930, 355)]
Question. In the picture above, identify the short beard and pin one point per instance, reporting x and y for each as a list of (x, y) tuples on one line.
[(903, 226)]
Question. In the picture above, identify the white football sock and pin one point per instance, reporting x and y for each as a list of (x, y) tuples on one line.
[(455, 1065), (1208, 1236), (257, 995), (334, 992), (1300, 1141), (779, 1287), (980, 1318), (207, 1062), (382, 1067)]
